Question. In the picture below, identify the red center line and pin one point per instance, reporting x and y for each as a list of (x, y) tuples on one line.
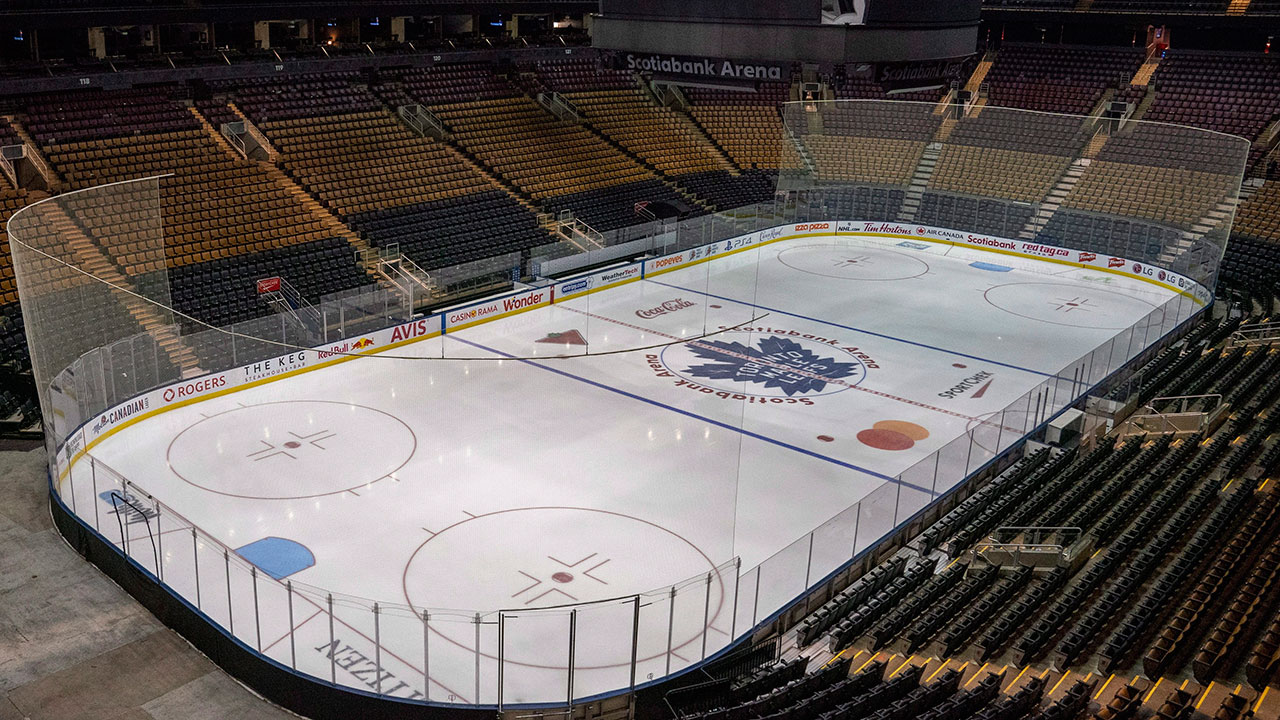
[(796, 371), (292, 630)]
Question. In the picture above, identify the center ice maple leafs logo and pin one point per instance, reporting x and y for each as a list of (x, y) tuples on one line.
[(774, 362)]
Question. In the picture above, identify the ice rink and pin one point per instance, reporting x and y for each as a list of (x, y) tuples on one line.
[(616, 444)]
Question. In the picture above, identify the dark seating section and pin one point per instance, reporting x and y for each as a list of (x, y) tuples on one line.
[(216, 112), (222, 292), (99, 114), (1058, 78), (724, 190), (612, 207), (864, 87), (1104, 234), (7, 134), (1178, 6), (982, 215), (1186, 7), (449, 232), (862, 202), (1234, 93), (454, 82), (1180, 572), (578, 75), (1031, 4)]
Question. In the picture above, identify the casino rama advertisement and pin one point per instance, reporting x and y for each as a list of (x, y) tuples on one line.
[(193, 390)]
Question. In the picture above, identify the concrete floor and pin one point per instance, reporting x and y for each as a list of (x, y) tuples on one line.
[(73, 645)]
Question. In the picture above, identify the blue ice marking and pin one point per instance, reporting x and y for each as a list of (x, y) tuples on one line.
[(277, 557), (990, 266)]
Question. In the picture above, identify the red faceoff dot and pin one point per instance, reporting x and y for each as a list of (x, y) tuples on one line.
[(562, 577), (885, 439), (716, 307), (293, 444), (959, 365), (825, 438)]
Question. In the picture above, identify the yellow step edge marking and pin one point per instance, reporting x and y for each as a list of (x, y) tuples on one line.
[(1104, 686), (1060, 680), (1204, 695), (1147, 699), (940, 668), (904, 664), (1261, 697), (984, 667), (1019, 676)]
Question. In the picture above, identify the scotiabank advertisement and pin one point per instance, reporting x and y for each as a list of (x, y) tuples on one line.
[(1167, 278)]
